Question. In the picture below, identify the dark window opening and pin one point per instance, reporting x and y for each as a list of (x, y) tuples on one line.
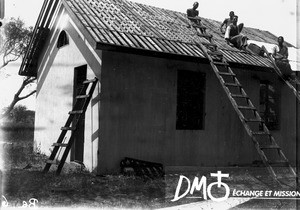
[(62, 39), (190, 100), (269, 105)]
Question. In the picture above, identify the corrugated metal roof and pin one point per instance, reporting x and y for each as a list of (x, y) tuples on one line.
[(134, 25), (138, 26)]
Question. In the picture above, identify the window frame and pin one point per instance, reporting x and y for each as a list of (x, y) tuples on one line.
[(63, 39), (185, 111), (268, 96)]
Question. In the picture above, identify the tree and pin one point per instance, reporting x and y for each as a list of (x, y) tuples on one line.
[(15, 41), (20, 114)]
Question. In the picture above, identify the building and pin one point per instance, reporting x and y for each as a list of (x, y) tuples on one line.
[(157, 98)]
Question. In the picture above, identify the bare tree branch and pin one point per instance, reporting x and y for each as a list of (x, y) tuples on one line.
[(23, 97), (15, 42)]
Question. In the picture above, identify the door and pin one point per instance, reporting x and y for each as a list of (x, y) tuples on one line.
[(80, 73)]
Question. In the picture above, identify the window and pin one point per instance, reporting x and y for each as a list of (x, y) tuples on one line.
[(269, 105), (190, 100), (62, 39)]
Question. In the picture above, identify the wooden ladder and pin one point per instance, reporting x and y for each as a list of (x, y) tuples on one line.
[(75, 116), (269, 151), (287, 82)]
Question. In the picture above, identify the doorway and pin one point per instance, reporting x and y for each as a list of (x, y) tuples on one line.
[(80, 75)]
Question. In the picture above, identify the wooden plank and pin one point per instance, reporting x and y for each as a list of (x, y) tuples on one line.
[(100, 35), (175, 50), (102, 22), (50, 17), (132, 39), (154, 44), (195, 50), (94, 35), (119, 38), (107, 38), (112, 20), (94, 17), (90, 81), (177, 45), (76, 112), (169, 49), (126, 39), (147, 9), (81, 16), (82, 96), (59, 145), (67, 128), (147, 43), (54, 162), (132, 18), (160, 45), (185, 49), (116, 15), (45, 13), (141, 42), (141, 20), (113, 37)]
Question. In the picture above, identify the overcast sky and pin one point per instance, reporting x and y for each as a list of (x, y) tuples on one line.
[(276, 16)]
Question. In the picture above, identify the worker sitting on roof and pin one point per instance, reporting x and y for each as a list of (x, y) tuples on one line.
[(192, 15), (281, 54), (233, 36), (228, 21)]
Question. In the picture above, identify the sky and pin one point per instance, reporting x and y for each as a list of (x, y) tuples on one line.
[(276, 16)]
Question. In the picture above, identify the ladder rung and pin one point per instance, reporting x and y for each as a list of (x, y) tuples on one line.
[(221, 63), (289, 177), (76, 112), (278, 162), (247, 107), (239, 96), (52, 161), (67, 128), (59, 145), (232, 84), (82, 96), (89, 81), (261, 133), (252, 120), (269, 147), (227, 74)]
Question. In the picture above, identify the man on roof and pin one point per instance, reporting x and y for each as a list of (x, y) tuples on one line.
[(280, 54), (228, 21), (280, 51), (193, 16), (233, 35)]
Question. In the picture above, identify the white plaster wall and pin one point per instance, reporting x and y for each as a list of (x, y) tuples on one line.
[(55, 94)]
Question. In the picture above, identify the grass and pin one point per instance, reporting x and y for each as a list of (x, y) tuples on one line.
[(24, 180), (84, 189)]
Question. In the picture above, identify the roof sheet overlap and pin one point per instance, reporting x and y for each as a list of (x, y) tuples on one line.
[(133, 25)]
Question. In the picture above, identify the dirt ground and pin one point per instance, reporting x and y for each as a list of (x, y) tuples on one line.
[(82, 189), (24, 180)]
